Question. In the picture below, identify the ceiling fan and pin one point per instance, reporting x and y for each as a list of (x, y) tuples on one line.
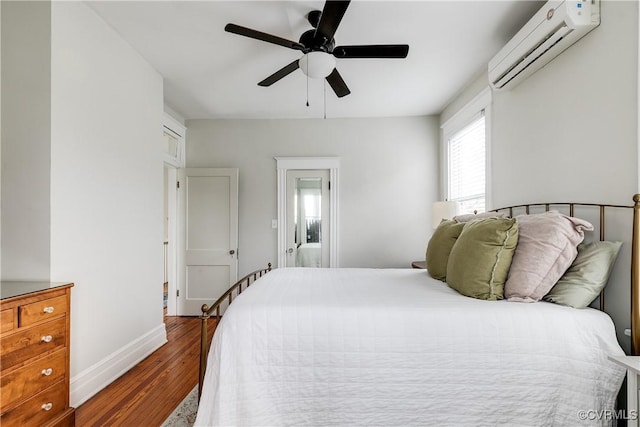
[(319, 49)]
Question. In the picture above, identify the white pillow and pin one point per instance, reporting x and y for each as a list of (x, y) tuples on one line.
[(547, 246)]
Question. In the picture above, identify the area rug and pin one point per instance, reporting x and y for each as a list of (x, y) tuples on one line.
[(185, 414)]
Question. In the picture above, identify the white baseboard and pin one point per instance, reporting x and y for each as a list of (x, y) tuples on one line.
[(93, 379)]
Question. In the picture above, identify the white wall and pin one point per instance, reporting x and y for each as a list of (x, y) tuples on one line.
[(569, 133), (387, 181), (174, 114), (26, 81), (106, 195), (577, 116), (472, 89), (1, 141)]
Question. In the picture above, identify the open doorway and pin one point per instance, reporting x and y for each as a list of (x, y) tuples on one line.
[(308, 223), (174, 156), (169, 241), (286, 209)]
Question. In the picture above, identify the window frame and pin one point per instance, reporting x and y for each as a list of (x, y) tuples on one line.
[(177, 131), (462, 118)]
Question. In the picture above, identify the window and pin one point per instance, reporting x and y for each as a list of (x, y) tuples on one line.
[(173, 142), (465, 148), (467, 166)]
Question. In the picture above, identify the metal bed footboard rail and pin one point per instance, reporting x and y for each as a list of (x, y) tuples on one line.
[(207, 311)]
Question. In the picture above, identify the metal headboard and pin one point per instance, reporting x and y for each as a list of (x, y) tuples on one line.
[(635, 251)]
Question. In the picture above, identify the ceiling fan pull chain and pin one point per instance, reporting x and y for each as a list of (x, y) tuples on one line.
[(306, 58), (324, 89), (307, 91)]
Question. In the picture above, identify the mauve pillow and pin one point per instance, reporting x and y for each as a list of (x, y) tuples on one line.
[(547, 245)]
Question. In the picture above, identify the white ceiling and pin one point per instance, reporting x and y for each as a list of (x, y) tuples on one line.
[(209, 73)]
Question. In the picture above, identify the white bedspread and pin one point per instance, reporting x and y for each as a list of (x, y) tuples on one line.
[(396, 347)]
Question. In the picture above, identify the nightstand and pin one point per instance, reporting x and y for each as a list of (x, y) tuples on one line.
[(419, 264), (632, 364)]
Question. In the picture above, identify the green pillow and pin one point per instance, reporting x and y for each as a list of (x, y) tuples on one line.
[(480, 259), (439, 247), (587, 276)]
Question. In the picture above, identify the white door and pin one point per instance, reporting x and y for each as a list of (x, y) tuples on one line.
[(308, 225), (208, 261)]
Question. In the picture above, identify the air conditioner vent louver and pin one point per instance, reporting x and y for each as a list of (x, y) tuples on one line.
[(527, 57), (532, 56), (555, 27)]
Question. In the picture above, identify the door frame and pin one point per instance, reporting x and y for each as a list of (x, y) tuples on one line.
[(284, 164), (172, 236)]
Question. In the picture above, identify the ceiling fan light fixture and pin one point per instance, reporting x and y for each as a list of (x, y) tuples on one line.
[(317, 65)]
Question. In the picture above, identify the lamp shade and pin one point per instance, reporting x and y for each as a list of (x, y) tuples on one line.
[(317, 65), (443, 210)]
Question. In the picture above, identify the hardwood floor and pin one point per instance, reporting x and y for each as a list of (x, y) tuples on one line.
[(150, 391)]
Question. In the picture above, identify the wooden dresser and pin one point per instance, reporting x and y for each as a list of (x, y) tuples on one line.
[(34, 354)]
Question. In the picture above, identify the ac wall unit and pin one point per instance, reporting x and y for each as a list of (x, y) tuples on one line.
[(555, 27)]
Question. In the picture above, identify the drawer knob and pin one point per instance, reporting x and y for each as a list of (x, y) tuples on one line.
[(46, 338), (48, 310), (47, 406), (47, 372)]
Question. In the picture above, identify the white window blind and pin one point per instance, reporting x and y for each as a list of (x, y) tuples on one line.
[(467, 165)]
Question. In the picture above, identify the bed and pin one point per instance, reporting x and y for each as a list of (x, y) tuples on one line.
[(398, 347)]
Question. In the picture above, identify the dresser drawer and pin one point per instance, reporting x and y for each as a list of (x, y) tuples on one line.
[(21, 346), (41, 310), (32, 378), (39, 409), (6, 320)]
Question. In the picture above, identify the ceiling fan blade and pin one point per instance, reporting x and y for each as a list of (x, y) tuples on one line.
[(332, 14), (337, 84), (283, 72), (259, 35), (372, 51)]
